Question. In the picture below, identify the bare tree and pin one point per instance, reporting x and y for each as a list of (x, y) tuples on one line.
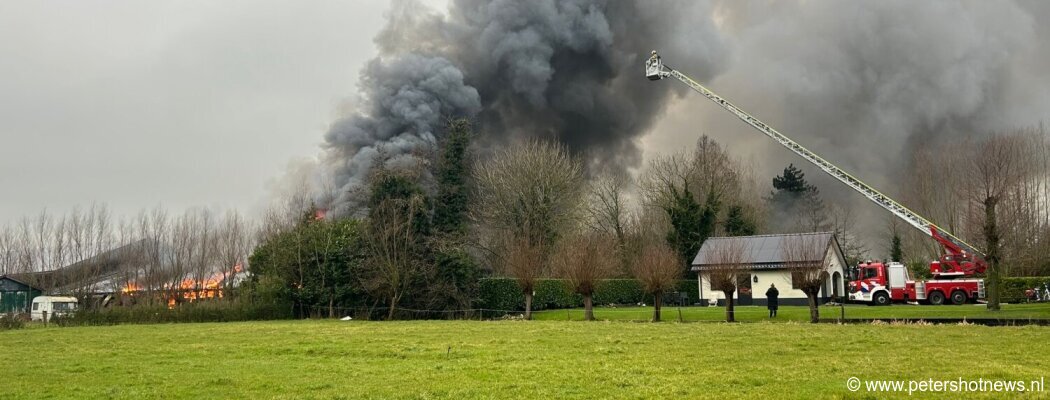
[(202, 264), (8, 256), (999, 166), (805, 256), (132, 253), (533, 189), (608, 213), (527, 196), (102, 237), (178, 255), (234, 245), (583, 261), (726, 258), (44, 232), (844, 224), (707, 170), (656, 269), (153, 228), (393, 242), (525, 261), (951, 183)]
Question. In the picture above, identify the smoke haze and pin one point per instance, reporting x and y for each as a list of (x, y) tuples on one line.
[(563, 70), (856, 82)]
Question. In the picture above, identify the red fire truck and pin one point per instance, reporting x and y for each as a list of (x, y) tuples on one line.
[(881, 283)]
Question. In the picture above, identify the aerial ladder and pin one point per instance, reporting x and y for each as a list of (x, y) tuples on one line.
[(959, 258)]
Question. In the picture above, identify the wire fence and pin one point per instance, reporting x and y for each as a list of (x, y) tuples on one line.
[(696, 313)]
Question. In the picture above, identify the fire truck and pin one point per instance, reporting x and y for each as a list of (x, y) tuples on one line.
[(872, 282), (880, 283)]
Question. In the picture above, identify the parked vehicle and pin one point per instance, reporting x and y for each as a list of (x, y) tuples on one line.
[(880, 284), (1037, 294), (52, 305)]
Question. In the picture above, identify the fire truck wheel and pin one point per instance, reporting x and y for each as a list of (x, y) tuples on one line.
[(958, 297), (936, 298), (881, 299)]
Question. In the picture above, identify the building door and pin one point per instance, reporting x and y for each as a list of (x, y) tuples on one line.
[(743, 290)]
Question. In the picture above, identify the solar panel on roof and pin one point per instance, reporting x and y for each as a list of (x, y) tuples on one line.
[(763, 249)]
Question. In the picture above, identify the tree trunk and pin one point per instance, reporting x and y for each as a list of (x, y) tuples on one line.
[(393, 306), (331, 306), (588, 308), (814, 310), (528, 305), (991, 235), (730, 317), (656, 306)]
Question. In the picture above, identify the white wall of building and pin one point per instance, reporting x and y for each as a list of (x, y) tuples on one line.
[(782, 279)]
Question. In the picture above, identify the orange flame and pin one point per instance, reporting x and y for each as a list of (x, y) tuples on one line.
[(130, 287), (190, 289)]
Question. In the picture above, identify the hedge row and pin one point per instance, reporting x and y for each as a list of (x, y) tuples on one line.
[(1013, 288), (11, 321), (210, 311), (505, 294)]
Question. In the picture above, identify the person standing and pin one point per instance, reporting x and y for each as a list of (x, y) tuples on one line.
[(771, 300)]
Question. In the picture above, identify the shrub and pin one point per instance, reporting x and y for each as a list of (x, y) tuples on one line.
[(209, 311), (500, 294), (1012, 290), (554, 294), (11, 321), (618, 291), (504, 294)]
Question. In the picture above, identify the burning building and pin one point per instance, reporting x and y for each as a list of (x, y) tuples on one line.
[(137, 272)]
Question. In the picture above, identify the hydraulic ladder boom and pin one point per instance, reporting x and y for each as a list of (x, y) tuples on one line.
[(655, 69)]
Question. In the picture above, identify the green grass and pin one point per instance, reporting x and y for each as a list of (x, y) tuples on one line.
[(505, 359), (797, 313)]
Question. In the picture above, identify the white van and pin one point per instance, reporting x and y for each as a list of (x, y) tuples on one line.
[(60, 305)]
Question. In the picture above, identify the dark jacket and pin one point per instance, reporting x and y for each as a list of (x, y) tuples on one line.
[(771, 298)]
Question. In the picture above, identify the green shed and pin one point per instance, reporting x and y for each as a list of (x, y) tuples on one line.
[(16, 295)]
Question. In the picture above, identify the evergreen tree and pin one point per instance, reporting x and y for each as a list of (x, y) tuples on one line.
[(310, 267), (691, 223), (391, 185), (792, 181), (796, 204), (896, 253), (685, 214), (453, 170), (737, 223), (708, 220)]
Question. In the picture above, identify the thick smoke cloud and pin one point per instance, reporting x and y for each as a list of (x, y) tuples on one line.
[(865, 83), (871, 78), (408, 96), (564, 70), (860, 83)]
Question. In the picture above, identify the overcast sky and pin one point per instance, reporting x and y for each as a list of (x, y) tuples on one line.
[(177, 103), (182, 103)]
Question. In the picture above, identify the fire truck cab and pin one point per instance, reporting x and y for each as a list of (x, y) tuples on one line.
[(879, 283)]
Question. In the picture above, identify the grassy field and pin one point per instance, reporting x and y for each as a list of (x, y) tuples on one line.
[(795, 313), (505, 359)]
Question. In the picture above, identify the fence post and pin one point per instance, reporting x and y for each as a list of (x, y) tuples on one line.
[(44, 313), (680, 313)]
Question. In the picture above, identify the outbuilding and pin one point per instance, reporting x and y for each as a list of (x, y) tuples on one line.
[(16, 295), (764, 264)]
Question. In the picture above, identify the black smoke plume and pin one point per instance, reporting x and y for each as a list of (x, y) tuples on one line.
[(860, 83), (569, 71)]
